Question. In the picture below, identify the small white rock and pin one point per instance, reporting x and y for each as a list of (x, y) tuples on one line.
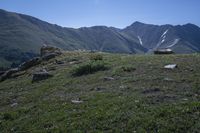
[(170, 66), (14, 104), (76, 101)]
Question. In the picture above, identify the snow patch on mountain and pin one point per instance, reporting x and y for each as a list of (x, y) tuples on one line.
[(165, 33), (139, 38), (163, 40), (174, 43)]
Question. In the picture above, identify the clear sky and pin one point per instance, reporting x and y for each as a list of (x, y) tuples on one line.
[(117, 13)]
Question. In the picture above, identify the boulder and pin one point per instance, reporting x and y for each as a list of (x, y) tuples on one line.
[(47, 50), (8, 74), (38, 76), (163, 51), (30, 63)]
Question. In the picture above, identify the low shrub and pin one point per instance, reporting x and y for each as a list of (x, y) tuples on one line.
[(117, 71), (9, 116), (89, 68), (96, 57), (128, 68)]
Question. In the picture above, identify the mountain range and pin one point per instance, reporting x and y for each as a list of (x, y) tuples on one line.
[(22, 36)]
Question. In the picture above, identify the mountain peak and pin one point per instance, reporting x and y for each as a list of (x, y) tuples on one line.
[(137, 23), (191, 25)]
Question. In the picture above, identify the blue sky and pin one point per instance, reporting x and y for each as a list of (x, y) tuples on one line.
[(117, 13)]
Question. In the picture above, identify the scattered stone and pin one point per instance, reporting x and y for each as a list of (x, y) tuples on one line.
[(8, 74), (14, 104), (154, 90), (98, 89), (28, 64), (78, 101), (108, 78), (191, 69), (124, 87), (60, 62), (168, 79), (185, 99), (38, 76), (73, 62), (170, 66), (137, 101)]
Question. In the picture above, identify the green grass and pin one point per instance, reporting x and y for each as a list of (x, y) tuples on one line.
[(143, 97)]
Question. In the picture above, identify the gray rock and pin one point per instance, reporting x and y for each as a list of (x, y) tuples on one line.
[(168, 79), (8, 74), (49, 56), (38, 76), (98, 89), (60, 62), (78, 101), (74, 62), (14, 104), (28, 64)]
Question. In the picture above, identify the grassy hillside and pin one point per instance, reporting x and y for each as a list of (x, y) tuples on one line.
[(132, 94)]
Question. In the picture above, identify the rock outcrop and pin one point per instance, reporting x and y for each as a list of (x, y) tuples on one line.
[(8, 74), (46, 53), (29, 64), (45, 50), (38, 76)]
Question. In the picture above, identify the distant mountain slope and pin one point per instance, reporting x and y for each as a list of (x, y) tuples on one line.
[(22, 36), (182, 39)]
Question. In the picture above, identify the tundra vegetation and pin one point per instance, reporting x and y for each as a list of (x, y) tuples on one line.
[(142, 96)]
